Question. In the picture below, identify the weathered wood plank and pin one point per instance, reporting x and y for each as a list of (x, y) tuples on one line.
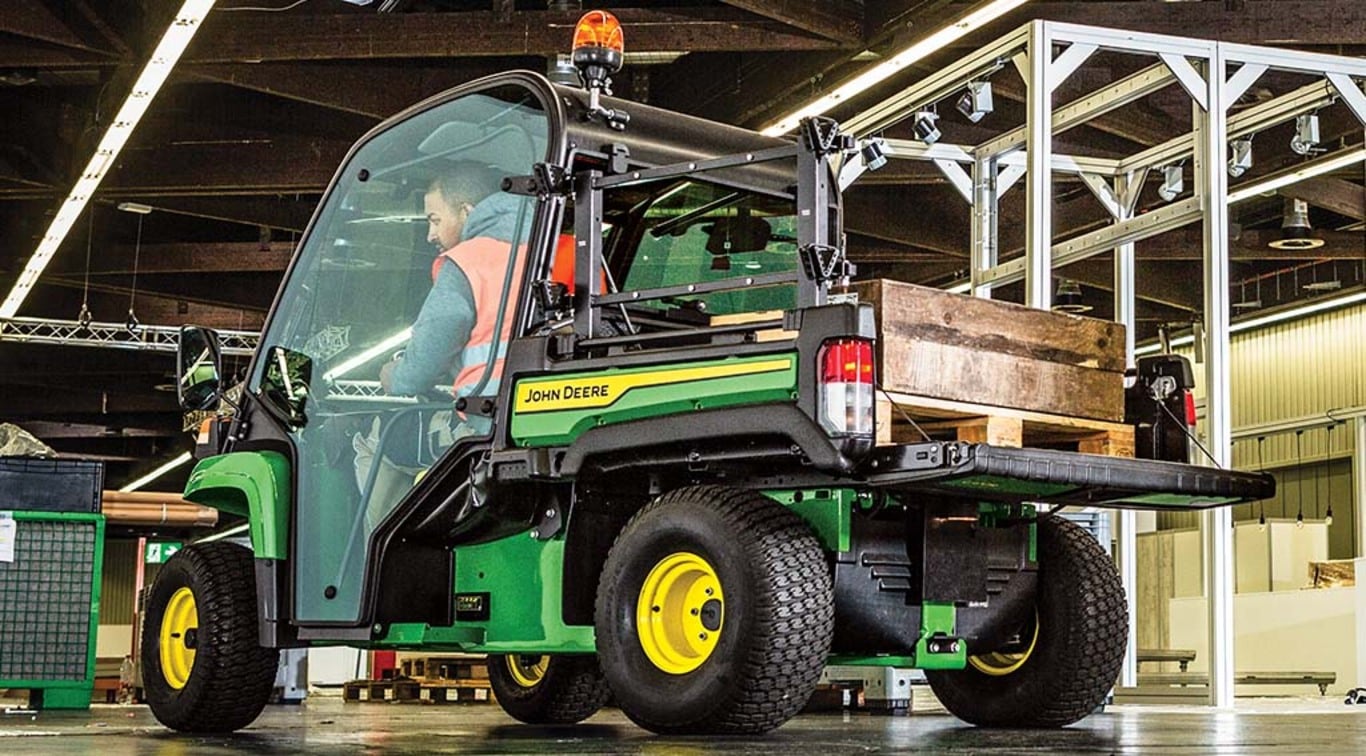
[(947, 346)]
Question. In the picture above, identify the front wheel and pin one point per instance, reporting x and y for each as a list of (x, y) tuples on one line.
[(548, 689), (1065, 658), (715, 613), (204, 669)]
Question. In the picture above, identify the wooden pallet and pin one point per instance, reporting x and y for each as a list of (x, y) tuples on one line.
[(429, 691), (944, 419), (445, 667)]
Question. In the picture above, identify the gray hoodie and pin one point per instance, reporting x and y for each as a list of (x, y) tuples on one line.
[(448, 315)]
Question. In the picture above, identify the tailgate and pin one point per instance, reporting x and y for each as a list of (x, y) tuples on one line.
[(984, 472)]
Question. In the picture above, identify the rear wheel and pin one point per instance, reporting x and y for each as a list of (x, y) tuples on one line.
[(204, 669), (714, 614), (548, 689), (1066, 659)]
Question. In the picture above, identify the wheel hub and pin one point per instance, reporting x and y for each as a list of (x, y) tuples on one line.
[(1002, 663), (179, 637), (527, 671), (680, 613)]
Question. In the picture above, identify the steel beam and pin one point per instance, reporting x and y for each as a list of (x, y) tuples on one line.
[(1211, 190), (1038, 257)]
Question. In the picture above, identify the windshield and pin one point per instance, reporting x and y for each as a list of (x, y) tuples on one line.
[(402, 297), (695, 233)]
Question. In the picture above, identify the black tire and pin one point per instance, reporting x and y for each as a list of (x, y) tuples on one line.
[(231, 676), (561, 690), (1082, 629), (772, 628)]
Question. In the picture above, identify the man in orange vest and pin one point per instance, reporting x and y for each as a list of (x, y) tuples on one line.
[(463, 325), (462, 330)]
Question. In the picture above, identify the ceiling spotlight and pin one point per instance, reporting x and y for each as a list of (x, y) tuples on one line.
[(976, 101), (1240, 156), (1068, 297), (925, 128), (1173, 183), (1306, 135), (874, 152), (134, 207), (1295, 228)]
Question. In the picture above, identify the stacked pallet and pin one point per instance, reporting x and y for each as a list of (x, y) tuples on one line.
[(456, 678)]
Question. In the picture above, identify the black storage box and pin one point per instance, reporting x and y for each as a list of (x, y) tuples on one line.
[(50, 485)]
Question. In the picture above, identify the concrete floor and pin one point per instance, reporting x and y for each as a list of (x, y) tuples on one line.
[(1324, 727)]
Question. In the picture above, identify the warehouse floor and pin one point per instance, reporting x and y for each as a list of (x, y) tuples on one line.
[(327, 726)]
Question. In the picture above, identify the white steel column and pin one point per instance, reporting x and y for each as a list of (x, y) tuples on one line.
[(1359, 490), (1125, 290), (1039, 170), (1211, 188), (985, 206)]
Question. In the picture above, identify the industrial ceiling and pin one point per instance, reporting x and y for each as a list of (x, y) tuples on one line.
[(238, 146)]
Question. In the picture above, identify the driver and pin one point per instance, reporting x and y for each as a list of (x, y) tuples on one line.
[(458, 328), (473, 224)]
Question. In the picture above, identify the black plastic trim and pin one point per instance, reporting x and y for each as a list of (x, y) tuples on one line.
[(762, 430), (1093, 480)]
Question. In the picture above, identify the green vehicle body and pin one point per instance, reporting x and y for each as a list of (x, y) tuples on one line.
[(496, 544)]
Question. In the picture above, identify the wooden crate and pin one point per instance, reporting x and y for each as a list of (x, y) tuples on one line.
[(941, 346)]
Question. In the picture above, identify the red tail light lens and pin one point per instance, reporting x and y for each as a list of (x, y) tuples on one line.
[(848, 361), (846, 387), (1190, 408)]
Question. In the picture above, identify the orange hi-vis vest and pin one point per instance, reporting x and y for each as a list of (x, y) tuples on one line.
[(484, 261)]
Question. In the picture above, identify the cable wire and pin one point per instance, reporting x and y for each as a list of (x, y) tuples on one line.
[(264, 9)]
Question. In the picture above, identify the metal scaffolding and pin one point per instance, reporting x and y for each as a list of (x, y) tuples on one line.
[(114, 335), (1214, 75)]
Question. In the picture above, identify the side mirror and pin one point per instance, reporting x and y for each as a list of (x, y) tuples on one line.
[(198, 362), (285, 386)]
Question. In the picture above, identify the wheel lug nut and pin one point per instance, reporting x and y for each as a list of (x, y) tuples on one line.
[(694, 612), (654, 609), (703, 636)]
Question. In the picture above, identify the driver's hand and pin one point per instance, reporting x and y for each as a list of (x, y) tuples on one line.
[(386, 376)]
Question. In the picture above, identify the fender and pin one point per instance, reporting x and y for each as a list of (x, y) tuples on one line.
[(251, 484)]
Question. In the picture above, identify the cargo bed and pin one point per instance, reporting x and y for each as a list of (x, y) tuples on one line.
[(996, 473)]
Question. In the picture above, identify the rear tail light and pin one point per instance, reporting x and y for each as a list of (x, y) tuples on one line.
[(846, 387), (1190, 407)]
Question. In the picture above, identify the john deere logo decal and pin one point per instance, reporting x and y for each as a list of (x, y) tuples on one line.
[(585, 392)]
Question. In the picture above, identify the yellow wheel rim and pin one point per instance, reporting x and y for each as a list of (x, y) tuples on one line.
[(1001, 663), (179, 628), (527, 671), (679, 613)]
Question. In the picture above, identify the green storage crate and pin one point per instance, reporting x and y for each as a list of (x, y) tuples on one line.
[(50, 607)]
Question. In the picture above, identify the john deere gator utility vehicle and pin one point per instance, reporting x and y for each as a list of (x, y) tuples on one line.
[(646, 494)]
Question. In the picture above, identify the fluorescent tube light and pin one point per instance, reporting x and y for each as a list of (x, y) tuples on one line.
[(1308, 170), (973, 20), (229, 533), (1270, 319), (157, 473), (163, 59), (347, 366)]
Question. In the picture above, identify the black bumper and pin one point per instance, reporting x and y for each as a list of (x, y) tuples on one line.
[(994, 473)]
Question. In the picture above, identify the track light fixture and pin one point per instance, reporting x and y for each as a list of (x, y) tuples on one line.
[(975, 103), (1173, 183), (1306, 137), (1240, 156), (924, 126)]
